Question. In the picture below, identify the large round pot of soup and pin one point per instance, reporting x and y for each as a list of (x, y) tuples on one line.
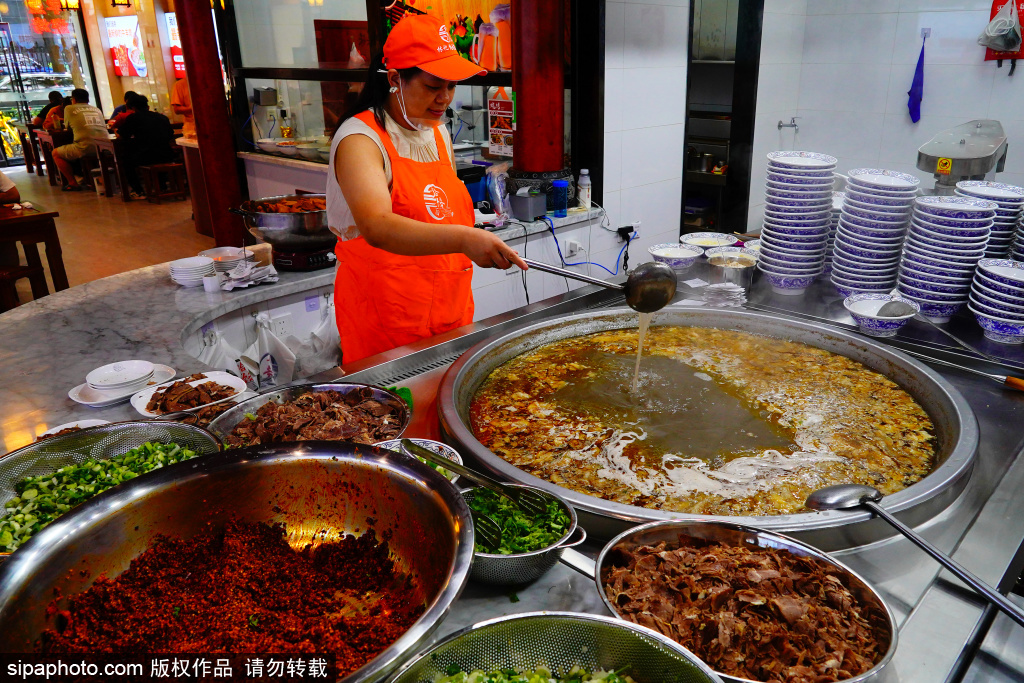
[(736, 415)]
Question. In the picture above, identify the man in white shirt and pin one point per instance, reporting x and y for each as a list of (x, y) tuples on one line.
[(88, 124)]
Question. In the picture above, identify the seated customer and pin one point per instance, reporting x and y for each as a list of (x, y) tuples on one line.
[(55, 117), (55, 100), (88, 125), (148, 136), (121, 112)]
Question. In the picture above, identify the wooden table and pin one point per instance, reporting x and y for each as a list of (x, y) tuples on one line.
[(48, 141), (30, 227), (111, 156), (29, 148)]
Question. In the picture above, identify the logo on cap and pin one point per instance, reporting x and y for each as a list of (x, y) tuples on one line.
[(446, 40), (436, 202)]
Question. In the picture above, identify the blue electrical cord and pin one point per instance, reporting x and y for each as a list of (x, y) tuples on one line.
[(269, 132), (456, 136), (242, 132), (618, 259)]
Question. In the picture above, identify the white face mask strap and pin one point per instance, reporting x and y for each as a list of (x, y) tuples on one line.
[(401, 103)]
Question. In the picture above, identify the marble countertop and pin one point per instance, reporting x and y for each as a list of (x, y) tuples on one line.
[(50, 344), (289, 162)]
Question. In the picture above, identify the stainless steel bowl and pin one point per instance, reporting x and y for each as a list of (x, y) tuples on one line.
[(345, 488), (955, 424), (741, 535), (304, 231), (515, 570), (224, 423), (559, 641)]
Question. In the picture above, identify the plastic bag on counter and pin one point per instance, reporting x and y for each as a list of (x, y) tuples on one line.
[(322, 351), (497, 175), (270, 358), (218, 353), (1003, 32)]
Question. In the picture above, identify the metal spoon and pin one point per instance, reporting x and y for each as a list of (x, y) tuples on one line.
[(846, 496), (895, 309), (649, 287), (530, 501)]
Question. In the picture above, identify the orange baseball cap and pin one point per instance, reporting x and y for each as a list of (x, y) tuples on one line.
[(422, 40)]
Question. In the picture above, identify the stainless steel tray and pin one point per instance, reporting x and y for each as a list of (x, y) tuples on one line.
[(955, 423)]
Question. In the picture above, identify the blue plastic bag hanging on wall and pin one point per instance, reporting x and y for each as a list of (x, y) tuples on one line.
[(916, 91)]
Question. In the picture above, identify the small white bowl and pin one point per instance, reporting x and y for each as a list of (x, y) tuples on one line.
[(442, 449), (309, 151), (288, 148), (269, 145)]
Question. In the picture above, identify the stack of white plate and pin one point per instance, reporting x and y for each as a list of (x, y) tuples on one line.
[(997, 300), (110, 384), (873, 223), (226, 258), (797, 219), (189, 272), (947, 238), (837, 211), (1010, 205)]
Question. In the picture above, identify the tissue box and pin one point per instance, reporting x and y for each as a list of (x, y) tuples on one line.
[(529, 207)]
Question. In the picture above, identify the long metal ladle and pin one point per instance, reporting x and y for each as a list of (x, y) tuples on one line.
[(649, 287), (846, 496)]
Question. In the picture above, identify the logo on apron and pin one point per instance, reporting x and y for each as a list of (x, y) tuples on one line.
[(436, 202)]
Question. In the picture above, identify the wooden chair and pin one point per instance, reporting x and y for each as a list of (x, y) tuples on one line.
[(9, 275), (154, 176)]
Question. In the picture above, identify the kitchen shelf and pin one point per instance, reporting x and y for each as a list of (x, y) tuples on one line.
[(702, 178)]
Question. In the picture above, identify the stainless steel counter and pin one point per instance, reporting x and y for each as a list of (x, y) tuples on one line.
[(942, 624)]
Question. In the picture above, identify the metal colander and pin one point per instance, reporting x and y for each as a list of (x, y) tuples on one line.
[(104, 441), (559, 641), (515, 570)]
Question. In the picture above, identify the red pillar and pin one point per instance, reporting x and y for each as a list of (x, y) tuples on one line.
[(538, 78), (213, 121)]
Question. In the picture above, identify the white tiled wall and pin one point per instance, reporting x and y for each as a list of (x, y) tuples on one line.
[(851, 63), (645, 112)]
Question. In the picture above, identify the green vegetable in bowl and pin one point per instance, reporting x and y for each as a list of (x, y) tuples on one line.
[(538, 675), (520, 533), (44, 498)]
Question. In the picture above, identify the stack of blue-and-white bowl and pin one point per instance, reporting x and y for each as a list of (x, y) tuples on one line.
[(797, 219), (837, 212), (1017, 248), (997, 299), (874, 220), (1010, 206), (948, 237)]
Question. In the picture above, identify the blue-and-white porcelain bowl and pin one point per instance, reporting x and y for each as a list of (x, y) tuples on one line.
[(798, 241), (925, 286), (787, 243), (999, 329), (797, 221), (675, 256), (940, 247), (998, 307), (852, 250), (788, 269), (798, 230), (875, 216), (856, 274), (883, 179), (853, 193), (752, 245), (936, 297), (802, 209), (884, 209), (932, 233), (872, 233), (863, 308), (916, 253), (827, 173), (936, 311), (958, 231), (1004, 271), (720, 251), (790, 285), (816, 182), (991, 190), (891, 241), (947, 276), (805, 259), (956, 207), (1001, 287), (802, 160), (821, 215), (781, 193), (707, 240), (980, 288), (794, 202), (847, 287), (943, 222), (868, 268), (935, 268)]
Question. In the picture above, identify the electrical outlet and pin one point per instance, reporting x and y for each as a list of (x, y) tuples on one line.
[(282, 325), (270, 114), (636, 229), (572, 247)]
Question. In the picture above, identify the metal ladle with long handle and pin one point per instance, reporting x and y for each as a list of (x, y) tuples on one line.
[(649, 287), (847, 496)]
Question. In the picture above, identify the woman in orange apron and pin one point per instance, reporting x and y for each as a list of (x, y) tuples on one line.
[(404, 220)]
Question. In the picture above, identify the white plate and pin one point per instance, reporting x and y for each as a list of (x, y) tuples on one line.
[(88, 396), (803, 159), (991, 190), (952, 205), (192, 262), (141, 399), (120, 374), (81, 424)]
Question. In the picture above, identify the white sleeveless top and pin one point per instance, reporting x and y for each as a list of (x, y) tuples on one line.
[(410, 144)]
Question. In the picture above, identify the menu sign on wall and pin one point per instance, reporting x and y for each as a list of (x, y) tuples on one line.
[(174, 38), (126, 46)]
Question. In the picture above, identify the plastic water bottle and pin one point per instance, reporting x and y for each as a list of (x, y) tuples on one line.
[(583, 189)]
